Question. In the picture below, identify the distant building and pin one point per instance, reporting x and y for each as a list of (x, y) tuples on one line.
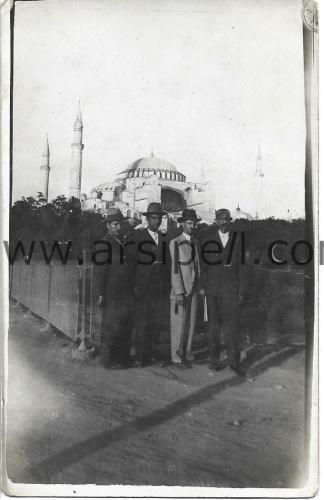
[(143, 181), (239, 214), (150, 179), (259, 174)]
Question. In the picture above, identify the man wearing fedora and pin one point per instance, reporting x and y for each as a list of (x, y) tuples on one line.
[(151, 279), (114, 281), (220, 282), (185, 271)]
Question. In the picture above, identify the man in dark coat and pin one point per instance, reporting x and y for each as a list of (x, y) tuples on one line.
[(152, 283), (220, 282), (114, 279)]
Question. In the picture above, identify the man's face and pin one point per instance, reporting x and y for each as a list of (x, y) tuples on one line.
[(223, 223), (114, 228), (154, 221), (188, 226)]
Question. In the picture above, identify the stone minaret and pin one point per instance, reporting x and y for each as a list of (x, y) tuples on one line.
[(45, 168), (258, 183), (76, 166)]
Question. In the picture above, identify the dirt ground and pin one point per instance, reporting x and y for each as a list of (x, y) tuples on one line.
[(75, 422)]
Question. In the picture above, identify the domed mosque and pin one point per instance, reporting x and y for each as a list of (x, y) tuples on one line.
[(145, 180), (240, 214)]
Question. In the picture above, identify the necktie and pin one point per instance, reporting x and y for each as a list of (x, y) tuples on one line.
[(156, 237)]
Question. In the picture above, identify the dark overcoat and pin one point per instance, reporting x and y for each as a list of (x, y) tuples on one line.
[(150, 260), (220, 277), (113, 278), (113, 270), (152, 280), (220, 267)]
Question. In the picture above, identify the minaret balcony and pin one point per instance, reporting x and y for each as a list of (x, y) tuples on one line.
[(77, 145)]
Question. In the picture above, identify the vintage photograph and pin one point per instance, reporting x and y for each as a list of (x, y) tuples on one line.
[(162, 211)]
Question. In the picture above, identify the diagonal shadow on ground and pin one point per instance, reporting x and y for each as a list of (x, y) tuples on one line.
[(43, 472)]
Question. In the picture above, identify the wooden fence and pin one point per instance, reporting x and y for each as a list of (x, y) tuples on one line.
[(273, 310)]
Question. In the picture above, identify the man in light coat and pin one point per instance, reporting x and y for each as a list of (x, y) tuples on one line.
[(185, 271)]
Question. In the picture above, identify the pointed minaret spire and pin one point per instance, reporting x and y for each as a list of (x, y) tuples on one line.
[(258, 170), (77, 148), (45, 168), (202, 172), (79, 117), (46, 150), (259, 157), (78, 125), (258, 181)]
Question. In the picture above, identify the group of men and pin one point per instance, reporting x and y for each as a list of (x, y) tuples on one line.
[(143, 270)]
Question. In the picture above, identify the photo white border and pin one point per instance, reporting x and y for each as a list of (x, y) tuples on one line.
[(36, 490)]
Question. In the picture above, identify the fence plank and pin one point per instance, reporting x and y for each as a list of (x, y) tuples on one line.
[(64, 302)]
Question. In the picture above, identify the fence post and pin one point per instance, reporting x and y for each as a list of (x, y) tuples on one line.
[(29, 270), (91, 305), (47, 325), (82, 353), (82, 346)]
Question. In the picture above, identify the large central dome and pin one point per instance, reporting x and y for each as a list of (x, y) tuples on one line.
[(150, 163)]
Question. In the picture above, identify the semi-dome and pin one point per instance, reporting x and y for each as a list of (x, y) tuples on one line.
[(106, 186)]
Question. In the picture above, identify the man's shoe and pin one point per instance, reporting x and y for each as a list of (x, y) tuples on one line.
[(147, 361), (176, 359), (238, 369), (190, 356), (184, 361), (215, 365), (127, 364)]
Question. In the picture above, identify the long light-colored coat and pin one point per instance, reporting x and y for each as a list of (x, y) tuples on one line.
[(185, 272), (185, 265)]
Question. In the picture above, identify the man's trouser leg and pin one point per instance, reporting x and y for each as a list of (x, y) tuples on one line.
[(140, 329), (193, 316), (176, 320), (105, 355), (109, 332), (214, 327), (157, 314), (144, 320), (125, 331), (230, 326)]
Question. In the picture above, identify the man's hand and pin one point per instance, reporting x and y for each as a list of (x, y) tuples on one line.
[(180, 299), (202, 292), (100, 300)]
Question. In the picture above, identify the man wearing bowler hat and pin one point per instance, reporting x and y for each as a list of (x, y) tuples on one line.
[(113, 276), (220, 282), (185, 271), (151, 278)]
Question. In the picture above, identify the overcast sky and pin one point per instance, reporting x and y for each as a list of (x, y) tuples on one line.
[(195, 80)]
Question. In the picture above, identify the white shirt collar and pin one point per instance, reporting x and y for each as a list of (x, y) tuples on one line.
[(224, 236), (154, 235), (187, 236)]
